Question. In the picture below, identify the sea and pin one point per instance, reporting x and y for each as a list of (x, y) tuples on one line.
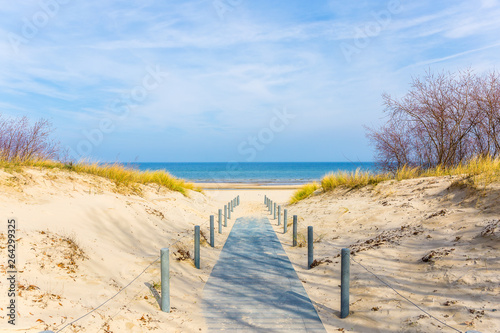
[(270, 173)]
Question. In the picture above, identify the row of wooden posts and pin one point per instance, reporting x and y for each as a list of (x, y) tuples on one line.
[(164, 253), (275, 211)]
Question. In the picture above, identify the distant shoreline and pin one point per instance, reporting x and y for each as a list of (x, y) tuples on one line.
[(246, 186), (258, 173)]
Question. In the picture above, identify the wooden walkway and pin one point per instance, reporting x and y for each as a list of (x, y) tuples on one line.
[(253, 286)]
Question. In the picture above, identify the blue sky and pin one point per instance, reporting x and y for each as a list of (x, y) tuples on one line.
[(229, 80)]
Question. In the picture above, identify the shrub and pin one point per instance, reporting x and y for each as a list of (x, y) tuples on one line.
[(352, 179), (20, 141), (478, 171), (444, 120), (304, 192)]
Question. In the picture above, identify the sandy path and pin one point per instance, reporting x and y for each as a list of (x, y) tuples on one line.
[(81, 240)]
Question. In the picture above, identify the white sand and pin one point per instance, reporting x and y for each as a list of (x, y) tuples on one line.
[(411, 218), (118, 235)]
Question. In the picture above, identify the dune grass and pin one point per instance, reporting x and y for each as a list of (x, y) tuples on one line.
[(332, 180), (352, 180), (480, 171), (119, 174), (304, 192)]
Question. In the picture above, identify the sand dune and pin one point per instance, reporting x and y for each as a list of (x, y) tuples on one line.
[(435, 240), (81, 240)]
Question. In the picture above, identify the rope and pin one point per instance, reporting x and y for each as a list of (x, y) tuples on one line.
[(125, 287), (408, 300), (109, 299), (390, 287), (121, 309)]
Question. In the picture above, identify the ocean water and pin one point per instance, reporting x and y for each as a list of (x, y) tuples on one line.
[(264, 173)]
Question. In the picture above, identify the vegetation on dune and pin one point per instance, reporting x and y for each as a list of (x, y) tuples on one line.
[(304, 192), (23, 144), (445, 119), (479, 171), (448, 124), (331, 181), (22, 141), (129, 177), (119, 174), (351, 179)]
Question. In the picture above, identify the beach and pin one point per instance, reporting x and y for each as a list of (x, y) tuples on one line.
[(88, 249), (145, 147)]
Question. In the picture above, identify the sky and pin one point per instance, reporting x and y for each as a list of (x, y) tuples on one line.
[(229, 80)]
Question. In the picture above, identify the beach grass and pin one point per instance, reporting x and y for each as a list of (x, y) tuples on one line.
[(352, 180), (304, 192), (119, 174), (479, 171)]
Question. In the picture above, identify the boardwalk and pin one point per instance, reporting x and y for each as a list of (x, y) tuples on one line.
[(254, 288)]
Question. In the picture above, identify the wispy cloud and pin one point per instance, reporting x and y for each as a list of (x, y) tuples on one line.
[(225, 76), (453, 56)]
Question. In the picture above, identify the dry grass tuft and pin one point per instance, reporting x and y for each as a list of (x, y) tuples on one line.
[(301, 240), (475, 173), (304, 192), (182, 254), (352, 180), (317, 262), (126, 179)]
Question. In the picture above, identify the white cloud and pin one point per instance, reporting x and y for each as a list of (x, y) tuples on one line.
[(227, 75), (489, 3)]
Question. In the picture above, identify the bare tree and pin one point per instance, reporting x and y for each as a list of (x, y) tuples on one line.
[(443, 120), (487, 101), (21, 141)]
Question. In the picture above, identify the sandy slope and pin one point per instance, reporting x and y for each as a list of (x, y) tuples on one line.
[(390, 229), (81, 240)]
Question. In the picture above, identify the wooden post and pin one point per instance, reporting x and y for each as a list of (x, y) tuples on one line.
[(197, 246), (310, 246), (279, 215), (295, 230), (165, 280), (220, 221), (212, 234), (285, 222), (344, 283), (225, 215)]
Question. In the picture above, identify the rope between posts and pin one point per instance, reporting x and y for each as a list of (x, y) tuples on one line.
[(121, 309), (125, 287), (407, 299), (389, 286), (112, 297)]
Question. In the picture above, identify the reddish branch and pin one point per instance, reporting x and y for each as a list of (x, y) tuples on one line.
[(443, 120), (20, 141)]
